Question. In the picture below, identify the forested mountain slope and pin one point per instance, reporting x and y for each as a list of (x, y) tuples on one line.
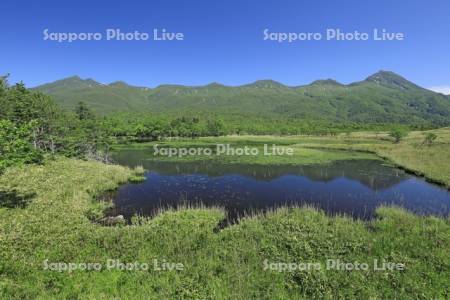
[(383, 97)]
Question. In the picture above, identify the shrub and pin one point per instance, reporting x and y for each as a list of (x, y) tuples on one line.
[(398, 134), (429, 139)]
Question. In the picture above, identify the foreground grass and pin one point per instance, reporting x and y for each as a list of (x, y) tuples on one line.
[(217, 265)]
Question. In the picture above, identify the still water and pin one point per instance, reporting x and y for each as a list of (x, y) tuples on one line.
[(352, 187)]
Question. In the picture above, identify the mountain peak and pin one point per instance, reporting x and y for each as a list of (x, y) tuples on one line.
[(119, 83), (267, 83), (73, 82), (74, 78), (328, 81), (391, 79), (214, 84)]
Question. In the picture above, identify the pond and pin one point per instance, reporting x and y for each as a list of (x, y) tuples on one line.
[(352, 187)]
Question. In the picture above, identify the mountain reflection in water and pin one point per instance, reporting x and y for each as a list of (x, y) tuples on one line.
[(353, 187)]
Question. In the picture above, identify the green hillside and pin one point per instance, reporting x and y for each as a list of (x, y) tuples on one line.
[(384, 97)]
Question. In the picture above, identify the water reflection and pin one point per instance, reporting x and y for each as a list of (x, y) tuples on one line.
[(353, 187)]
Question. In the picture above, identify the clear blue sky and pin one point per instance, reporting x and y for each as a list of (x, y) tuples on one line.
[(224, 41)]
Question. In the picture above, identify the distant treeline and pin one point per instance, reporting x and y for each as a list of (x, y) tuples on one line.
[(146, 126), (32, 124)]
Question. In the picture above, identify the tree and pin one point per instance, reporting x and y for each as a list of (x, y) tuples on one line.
[(5, 109), (398, 134), (15, 146), (215, 127), (429, 139), (24, 107), (83, 112)]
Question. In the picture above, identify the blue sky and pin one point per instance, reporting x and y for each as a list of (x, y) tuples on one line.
[(224, 41)]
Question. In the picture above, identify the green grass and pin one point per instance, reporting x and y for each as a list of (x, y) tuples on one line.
[(300, 156), (218, 265)]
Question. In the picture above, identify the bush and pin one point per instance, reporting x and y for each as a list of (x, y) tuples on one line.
[(398, 134), (429, 139)]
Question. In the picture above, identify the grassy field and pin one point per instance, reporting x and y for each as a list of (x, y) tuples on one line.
[(47, 211)]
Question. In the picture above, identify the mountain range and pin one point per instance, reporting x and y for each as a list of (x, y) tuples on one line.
[(383, 97)]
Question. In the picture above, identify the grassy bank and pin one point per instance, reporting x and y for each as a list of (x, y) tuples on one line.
[(52, 223)]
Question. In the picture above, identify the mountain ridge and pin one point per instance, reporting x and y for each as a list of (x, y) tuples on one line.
[(382, 97), (380, 77)]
